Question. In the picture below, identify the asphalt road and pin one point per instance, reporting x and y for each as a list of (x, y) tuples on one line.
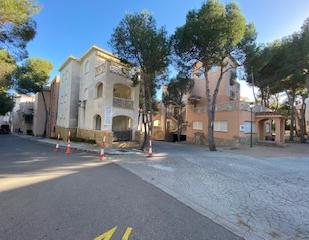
[(53, 195)]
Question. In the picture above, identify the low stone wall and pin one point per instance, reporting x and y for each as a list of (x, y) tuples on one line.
[(246, 140), (64, 132), (139, 136), (157, 134), (200, 138), (96, 135)]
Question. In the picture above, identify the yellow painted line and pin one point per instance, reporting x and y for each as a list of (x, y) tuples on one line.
[(127, 234), (107, 235)]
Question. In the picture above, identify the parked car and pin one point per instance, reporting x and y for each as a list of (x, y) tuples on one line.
[(5, 129)]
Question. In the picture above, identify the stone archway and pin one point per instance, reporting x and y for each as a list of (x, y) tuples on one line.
[(265, 122)]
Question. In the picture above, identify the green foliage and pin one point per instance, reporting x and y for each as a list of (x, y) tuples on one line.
[(210, 34), (280, 66), (177, 88), (139, 41), (16, 25), (6, 103), (7, 67), (283, 71), (33, 75)]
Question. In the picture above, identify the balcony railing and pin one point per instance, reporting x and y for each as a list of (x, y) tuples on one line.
[(122, 103), (100, 69)]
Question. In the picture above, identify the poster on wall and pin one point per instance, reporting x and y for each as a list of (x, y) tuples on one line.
[(108, 115)]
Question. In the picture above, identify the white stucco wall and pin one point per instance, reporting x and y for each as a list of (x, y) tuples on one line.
[(68, 95), (78, 103), (91, 105), (39, 113)]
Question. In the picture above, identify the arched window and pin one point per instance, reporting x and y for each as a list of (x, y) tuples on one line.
[(99, 90), (97, 122)]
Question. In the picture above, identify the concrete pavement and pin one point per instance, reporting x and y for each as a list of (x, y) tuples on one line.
[(51, 195), (260, 193)]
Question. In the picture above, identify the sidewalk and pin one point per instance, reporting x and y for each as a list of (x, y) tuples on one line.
[(86, 147)]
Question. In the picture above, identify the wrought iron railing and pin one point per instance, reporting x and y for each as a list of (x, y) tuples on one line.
[(125, 135), (122, 103)]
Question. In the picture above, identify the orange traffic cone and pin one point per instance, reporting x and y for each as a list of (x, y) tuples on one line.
[(102, 155), (57, 145), (150, 149), (68, 148)]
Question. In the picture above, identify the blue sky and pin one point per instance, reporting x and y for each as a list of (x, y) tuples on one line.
[(70, 27)]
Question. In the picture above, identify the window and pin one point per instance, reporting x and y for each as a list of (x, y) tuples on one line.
[(86, 93), (198, 125), (247, 127), (156, 123), (220, 126), (86, 67), (99, 90), (97, 122)]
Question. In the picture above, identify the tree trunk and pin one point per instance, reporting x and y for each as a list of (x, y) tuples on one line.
[(144, 111), (262, 97), (211, 115), (211, 105), (145, 132), (303, 121), (307, 80), (291, 97), (179, 122), (148, 88), (211, 139), (253, 84), (46, 114), (165, 123)]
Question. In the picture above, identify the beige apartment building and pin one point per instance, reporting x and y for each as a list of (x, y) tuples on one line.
[(96, 98), (232, 124), (22, 114), (53, 106), (233, 117), (39, 115)]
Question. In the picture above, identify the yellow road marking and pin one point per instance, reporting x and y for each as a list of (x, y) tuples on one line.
[(127, 234), (107, 235)]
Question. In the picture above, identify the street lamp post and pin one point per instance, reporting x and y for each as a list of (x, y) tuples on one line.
[(251, 106)]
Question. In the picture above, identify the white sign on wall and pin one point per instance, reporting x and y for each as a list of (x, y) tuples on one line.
[(108, 115)]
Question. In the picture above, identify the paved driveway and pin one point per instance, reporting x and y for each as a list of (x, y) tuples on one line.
[(259, 194), (52, 195)]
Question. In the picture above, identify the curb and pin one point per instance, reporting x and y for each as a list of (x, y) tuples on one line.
[(61, 145)]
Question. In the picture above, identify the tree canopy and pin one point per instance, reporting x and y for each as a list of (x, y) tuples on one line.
[(16, 25), (7, 67), (138, 40), (282, 67), (6, 103), (33, 75), (210, 36)]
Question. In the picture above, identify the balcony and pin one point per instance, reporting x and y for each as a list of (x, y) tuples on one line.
[(100, 69), (122, 103), (119, 70)]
